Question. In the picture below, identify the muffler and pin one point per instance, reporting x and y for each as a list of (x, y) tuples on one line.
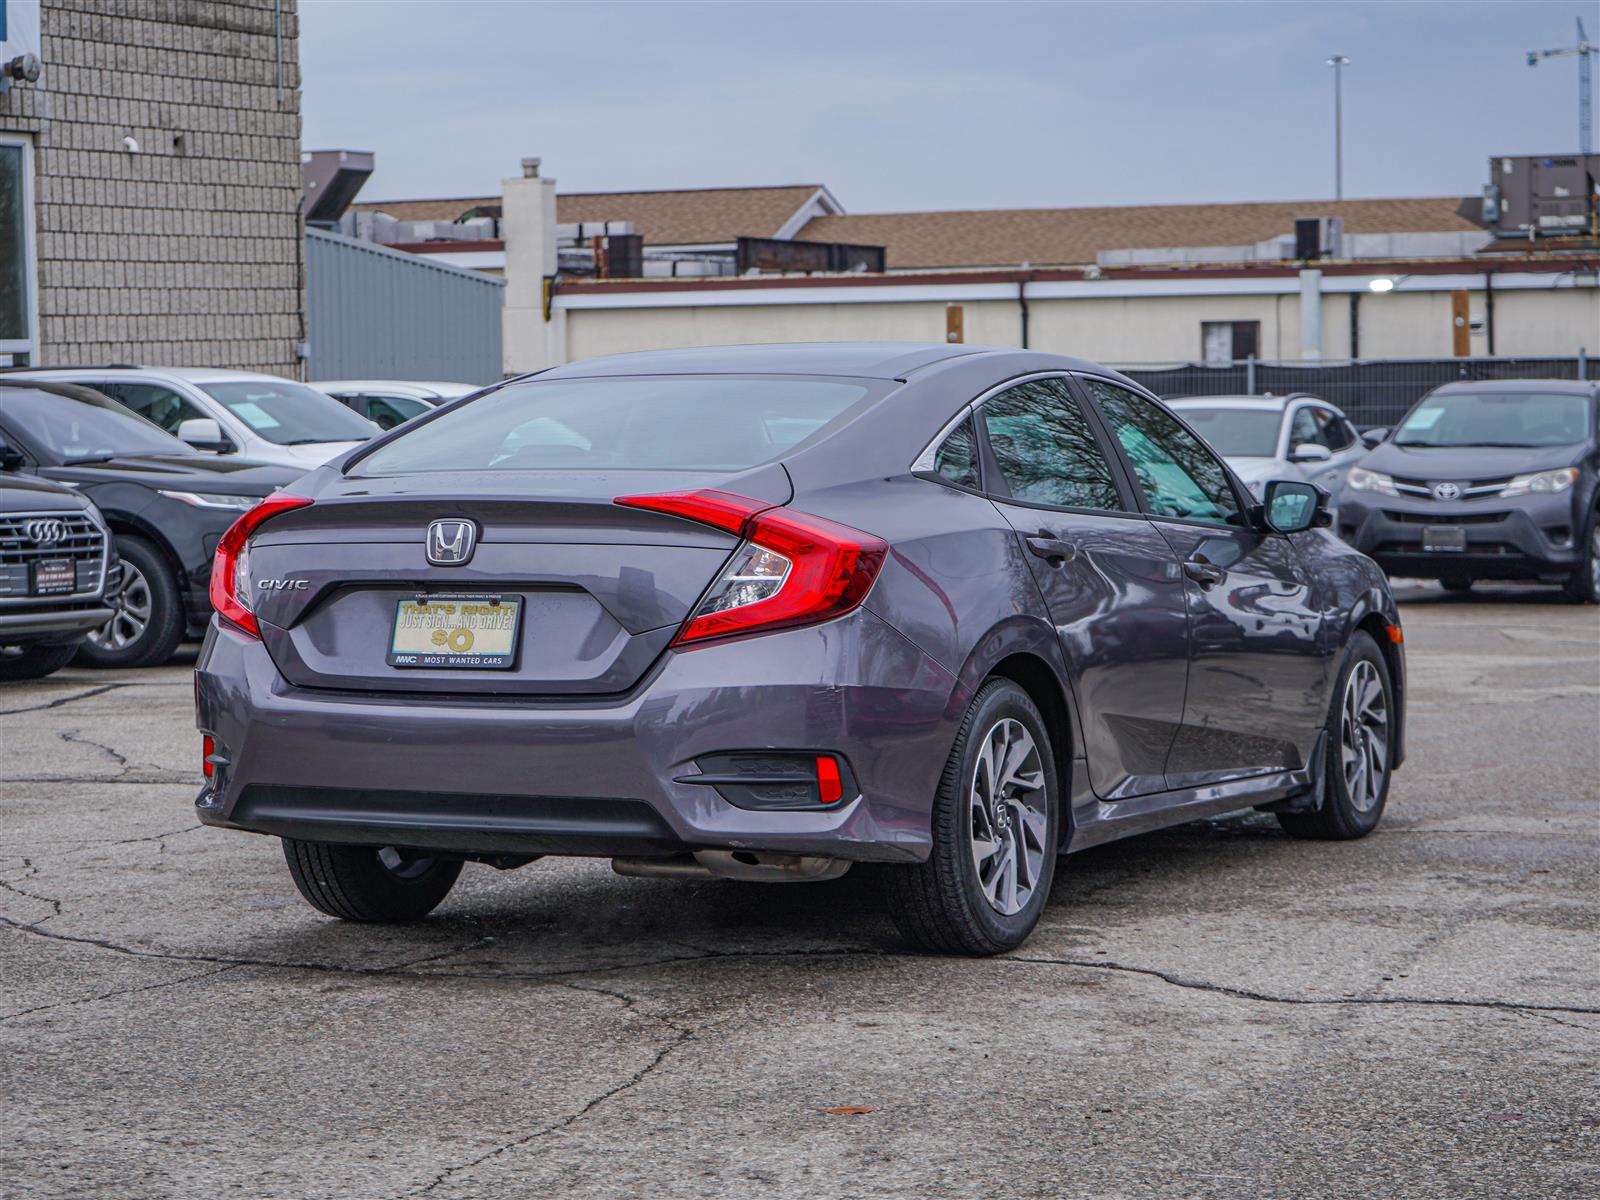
[(749, 865)]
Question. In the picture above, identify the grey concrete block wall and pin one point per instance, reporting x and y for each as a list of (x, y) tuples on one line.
[(189, 252)]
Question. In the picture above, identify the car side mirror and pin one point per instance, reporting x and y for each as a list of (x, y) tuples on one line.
[(1310, 452), (1293, 506), (1375, 435), (204, 433), (11, 458)]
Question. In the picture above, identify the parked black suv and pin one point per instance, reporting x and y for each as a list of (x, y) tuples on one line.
[(1485, 480), (56, 566), (165, 503)]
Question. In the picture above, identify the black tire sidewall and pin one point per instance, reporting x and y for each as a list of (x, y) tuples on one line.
[(1580, 586), (35, 662), (997, 700), (165, 631), (1352, 821)]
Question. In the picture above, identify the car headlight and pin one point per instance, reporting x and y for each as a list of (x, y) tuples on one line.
[(213, 500), (1362, 480), (1558, 480)]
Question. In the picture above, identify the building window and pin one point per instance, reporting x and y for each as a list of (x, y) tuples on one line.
[(1229, 341), (17, 306)]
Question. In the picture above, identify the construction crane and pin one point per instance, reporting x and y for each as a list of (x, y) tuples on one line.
[(1585, 50)]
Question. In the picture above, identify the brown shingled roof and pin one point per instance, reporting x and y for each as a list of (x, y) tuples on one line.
[(1052, 236), (688, 217)]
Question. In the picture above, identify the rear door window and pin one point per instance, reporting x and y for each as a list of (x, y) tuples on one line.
[(670, 423), (1046, 449)]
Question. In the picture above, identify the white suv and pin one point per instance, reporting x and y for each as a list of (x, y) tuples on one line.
[(261, 417)]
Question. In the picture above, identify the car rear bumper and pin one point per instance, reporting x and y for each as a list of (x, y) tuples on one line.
[(1528, 538), (477, 775)]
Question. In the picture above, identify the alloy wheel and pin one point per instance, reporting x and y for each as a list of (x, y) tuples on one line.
[(1007, 803), (1364, 736), (131, 610)]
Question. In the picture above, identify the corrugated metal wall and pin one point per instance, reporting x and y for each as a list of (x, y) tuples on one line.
[(376, 313)]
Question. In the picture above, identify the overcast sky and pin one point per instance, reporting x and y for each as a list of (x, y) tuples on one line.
[(899, 106)]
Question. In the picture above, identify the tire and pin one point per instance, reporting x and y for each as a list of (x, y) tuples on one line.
[(1360, 743), (1457, 585), (353, 883), (148, 624), (1583, 585), (944, 905), (34, 662)]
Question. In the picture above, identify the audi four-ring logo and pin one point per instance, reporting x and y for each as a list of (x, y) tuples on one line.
[(45, 532)]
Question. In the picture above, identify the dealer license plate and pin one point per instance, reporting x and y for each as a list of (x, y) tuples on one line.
[(55, 577), (1444, 538), (459, 632)]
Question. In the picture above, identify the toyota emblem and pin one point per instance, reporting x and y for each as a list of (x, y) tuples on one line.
[(1447, 491)]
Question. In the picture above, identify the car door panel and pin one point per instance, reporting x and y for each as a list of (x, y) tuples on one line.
[(1256, 683), (1110, 582)]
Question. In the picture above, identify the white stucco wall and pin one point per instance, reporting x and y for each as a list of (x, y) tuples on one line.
[(1398, 324)]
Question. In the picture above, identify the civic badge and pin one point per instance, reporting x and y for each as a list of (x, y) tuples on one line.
[(1446, 491), (450, 543)]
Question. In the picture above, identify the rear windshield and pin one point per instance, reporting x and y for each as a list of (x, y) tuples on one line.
[(678, 422), (1521, 419), (1236, 432)]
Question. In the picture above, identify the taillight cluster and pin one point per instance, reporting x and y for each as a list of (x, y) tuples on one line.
[(232, 594), (792, 569)]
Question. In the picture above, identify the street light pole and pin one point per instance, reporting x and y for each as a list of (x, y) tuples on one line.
[(1338, 62)]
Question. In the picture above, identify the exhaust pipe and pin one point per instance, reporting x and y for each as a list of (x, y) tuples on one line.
[(748, 865)]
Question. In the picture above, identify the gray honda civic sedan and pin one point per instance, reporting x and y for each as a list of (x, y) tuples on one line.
[(769, 612)]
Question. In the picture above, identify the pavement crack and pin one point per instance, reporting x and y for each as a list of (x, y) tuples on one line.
[(1223, 989), (115, 992), (61, 701), (76, 738), (158, 837), (29, 872), (680, 1034)]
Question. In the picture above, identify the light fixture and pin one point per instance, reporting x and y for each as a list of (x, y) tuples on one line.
[(1380, 285)]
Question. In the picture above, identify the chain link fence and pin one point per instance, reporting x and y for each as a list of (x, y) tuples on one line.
[(1371, 392)]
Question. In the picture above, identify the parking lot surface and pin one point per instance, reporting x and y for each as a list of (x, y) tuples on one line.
[(1210, 1011)]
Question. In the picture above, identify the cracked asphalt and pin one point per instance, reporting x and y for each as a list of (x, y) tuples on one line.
[(1211, 1011)]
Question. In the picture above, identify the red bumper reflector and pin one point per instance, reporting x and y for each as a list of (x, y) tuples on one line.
[(829, 789), (1396, 634), (208, 747)]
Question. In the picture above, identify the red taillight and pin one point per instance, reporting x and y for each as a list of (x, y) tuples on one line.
[(830, 789), (208, 747), (794, 569), (226, 597)]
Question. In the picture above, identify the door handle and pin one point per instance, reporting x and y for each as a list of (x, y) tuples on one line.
[(1204, 573), (1052, 549)]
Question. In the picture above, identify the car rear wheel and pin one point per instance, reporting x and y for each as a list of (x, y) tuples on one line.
[(369, 883), (996, 830), (34, 662), (147, 612), (1583, 585), (1360, 746)]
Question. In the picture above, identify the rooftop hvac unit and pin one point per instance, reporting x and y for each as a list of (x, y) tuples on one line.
[(1318, 237), (1543, 195)]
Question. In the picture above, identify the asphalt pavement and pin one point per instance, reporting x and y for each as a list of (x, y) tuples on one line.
[(1211, 1011)]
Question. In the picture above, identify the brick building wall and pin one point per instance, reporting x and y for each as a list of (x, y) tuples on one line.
[(187, 252)]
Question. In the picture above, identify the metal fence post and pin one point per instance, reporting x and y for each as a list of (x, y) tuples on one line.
[(1583, 362), (1250, 375)]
